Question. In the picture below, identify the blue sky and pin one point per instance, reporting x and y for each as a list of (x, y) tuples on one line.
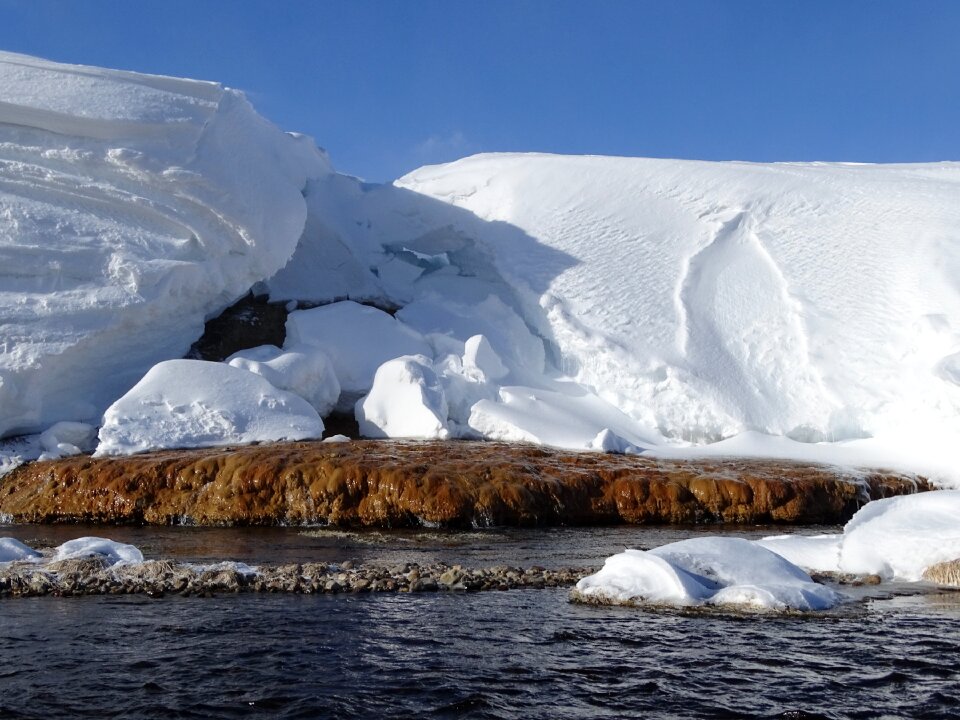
[(387, 86)]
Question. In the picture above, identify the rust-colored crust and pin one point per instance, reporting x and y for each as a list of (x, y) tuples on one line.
[(379, 483)]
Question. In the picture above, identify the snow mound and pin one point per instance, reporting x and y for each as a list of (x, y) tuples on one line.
[(12, 550), (112, 552), (303, 370), (706, 571), (131, 208), (406, 401), (358, 339), (896, 538), (192, 403)]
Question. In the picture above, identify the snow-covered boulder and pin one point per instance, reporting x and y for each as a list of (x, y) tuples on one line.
[(896, 538), (358, 339), (406, 401), (706, 571), (304, 370), (131, 208), (193, 403)]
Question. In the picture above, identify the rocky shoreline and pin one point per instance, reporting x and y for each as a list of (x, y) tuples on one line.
[(157, 578), (375, 483)]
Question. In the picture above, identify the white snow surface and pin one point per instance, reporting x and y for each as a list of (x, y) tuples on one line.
[(303, 370), (131, 208), (193, 403), (707, 571), (406, 401), (895, 538)]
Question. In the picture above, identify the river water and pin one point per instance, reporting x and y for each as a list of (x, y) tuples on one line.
[(520, 653)]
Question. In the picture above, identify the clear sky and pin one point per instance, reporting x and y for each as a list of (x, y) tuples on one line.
[(389, 85)]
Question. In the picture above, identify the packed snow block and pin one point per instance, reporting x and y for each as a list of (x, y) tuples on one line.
[(406, 401), (132, 208), (706, 571), (358, 339), (479, 356), (304, 370), (194, 403)]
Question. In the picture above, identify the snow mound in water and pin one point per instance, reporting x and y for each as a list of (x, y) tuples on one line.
[(110, 551), (192, 403), (706, 571), (12, 550), (896, 538), (131, 208), (301, 369)]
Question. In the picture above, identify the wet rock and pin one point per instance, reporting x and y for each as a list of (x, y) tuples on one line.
[(448, 484), (946, 574)]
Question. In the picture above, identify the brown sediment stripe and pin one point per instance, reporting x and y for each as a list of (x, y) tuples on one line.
[(447, 484)]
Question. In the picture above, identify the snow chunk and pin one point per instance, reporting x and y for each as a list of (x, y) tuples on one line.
[(608, 441), (479, 356), (896, 538), (303, 370), (192, 403), (406, 401), (12, 550), (358, 339), (112, 552), (707, 571)]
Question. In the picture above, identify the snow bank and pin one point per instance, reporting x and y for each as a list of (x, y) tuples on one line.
[(192, 403), (131, 208), (896, 538), (406, 401), (301, 369), (707, 571)]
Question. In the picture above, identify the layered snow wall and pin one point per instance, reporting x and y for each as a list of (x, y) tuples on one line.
[(131, 208), (611, 303)]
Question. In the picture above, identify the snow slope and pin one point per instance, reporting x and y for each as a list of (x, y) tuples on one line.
[(131, 207)]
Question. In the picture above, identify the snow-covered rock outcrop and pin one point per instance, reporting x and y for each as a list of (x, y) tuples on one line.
[(131, 207)]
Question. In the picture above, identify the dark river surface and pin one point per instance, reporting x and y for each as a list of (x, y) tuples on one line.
[(516, 654)]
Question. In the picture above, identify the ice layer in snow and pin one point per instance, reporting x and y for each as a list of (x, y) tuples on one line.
[(193, 403), (897, 538), (131, 208), (707, 571)]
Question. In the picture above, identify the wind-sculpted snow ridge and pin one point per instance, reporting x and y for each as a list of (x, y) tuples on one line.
[(131, 208)]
